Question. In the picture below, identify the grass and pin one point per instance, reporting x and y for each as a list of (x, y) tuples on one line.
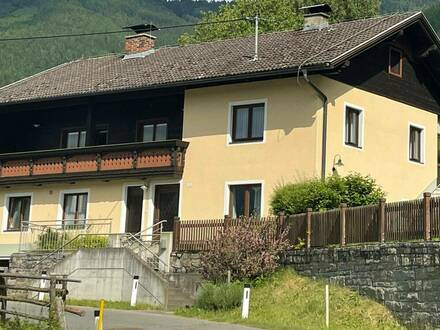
[(112, 305), (289, 301)]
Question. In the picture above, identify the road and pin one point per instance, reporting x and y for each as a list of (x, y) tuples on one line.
[(140, 320)]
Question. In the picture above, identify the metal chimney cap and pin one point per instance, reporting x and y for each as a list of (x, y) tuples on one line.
[(317, 9), (141, 28)]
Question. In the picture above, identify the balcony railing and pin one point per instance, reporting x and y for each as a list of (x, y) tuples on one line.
[(107, 161)]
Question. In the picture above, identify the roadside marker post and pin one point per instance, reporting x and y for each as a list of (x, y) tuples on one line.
[(96, 313), (327, 306), (101, 315), (134, 290), (229, 277), (42, 286), (246, 300)]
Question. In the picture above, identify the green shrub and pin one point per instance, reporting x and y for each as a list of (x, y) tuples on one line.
[(89, 242), (52, 240), (220, 296), (320, 195)]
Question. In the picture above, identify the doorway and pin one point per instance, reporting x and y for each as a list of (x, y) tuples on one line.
[(166, 204), (134, 204)]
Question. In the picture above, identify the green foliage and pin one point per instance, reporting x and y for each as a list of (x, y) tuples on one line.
[(319, 195), (88, 242), (277, 15), (392, 6), (221, 296), (24, 18), (258, 256), (18, 324), (53, 240), (287, 301)]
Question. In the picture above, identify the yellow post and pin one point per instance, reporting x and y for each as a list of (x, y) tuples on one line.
[(101, 314)]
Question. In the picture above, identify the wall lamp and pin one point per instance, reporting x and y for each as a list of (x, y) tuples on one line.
[(337, 162)]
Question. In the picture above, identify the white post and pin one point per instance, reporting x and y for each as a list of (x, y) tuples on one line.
[(246, 300), (229, 277), (42, 286), (134, 291), (327, 306), (96, 313)]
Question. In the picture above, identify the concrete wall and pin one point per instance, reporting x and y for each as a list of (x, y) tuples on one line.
[(405, 277), (291, 150), (108, 274)]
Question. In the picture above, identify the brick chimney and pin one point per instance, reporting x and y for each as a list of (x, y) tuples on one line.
[(142, 41), (316, 17), (138, 43)]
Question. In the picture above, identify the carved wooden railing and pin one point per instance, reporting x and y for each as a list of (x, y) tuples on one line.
[(117, 160)]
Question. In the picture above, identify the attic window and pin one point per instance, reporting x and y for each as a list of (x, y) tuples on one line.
[(395, 62)]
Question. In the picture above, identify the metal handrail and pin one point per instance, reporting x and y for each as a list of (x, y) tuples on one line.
[(160, 223)]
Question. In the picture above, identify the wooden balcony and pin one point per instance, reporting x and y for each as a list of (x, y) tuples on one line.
[(98, 162)]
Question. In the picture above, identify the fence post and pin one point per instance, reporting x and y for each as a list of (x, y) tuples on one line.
[(343, 208), (176, 233), (427, 216), (281, 222), (382, 216), (52, 299), (228, 221), (309, 228)]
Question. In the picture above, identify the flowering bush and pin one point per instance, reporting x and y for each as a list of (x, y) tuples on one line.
[(249, 249)]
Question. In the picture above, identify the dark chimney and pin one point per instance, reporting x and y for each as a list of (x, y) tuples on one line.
[(316, 17), (142, 41)]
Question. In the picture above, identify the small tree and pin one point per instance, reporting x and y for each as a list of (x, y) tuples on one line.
[(321, 195), (249, 249)]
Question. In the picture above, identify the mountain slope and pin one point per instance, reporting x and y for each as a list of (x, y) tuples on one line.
[(19, 18), (391, 6)]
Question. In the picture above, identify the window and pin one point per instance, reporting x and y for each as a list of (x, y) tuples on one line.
[(101, 136), (18, 213), (416, 137), (395, 62), (75, 139), (248, 122), (245, 200), (149, 132), (353, 127), (75, 209)]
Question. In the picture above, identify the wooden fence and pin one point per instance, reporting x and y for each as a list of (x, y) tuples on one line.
[(399, 221), (56, 289)]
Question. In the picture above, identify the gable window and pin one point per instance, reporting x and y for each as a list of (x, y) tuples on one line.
[(248, 122), (245, 200), (75, 138), (416, 144), (395, 62), (18, 213), (353, 127), (101, 135), (75, 209), (153, 131)]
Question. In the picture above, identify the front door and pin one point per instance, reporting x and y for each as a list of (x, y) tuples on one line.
[(134, 202), (166, 205)]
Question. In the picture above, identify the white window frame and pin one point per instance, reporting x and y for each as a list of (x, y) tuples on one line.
[(227, 197), (231, 106), (361, 125), (422, 143), (59, 220), (6, 209)]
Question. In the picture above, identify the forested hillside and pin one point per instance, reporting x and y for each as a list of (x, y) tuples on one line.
[(46, 17), (390, 6)]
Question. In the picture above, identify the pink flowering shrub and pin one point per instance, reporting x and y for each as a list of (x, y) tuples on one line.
[(249, 249)]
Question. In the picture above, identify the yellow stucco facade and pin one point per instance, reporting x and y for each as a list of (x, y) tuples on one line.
[(290, 151)]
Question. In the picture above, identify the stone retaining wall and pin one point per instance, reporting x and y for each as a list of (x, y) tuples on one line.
[(405, 277)]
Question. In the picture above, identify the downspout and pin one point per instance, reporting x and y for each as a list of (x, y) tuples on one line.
[(324, 99)]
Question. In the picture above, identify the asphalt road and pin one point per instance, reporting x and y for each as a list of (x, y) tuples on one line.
[(139, 320)]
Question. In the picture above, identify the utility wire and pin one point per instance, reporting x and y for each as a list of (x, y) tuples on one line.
[(119, 31)]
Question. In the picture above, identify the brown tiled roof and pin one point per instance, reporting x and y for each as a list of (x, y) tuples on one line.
[(207, 61)]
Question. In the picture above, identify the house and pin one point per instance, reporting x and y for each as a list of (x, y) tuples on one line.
[(205, 130)]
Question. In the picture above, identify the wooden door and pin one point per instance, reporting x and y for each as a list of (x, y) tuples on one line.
[(134, 203), (166, 205)]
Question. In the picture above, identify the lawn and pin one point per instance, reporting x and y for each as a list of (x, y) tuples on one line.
[(112, 305), (289, 301)]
